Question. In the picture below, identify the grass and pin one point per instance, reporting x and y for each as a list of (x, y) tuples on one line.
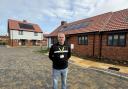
[(43, 50)]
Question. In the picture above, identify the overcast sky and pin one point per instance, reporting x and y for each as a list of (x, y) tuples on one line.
[(49, 13)]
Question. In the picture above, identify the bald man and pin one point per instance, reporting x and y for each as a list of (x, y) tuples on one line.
[(59, 54)]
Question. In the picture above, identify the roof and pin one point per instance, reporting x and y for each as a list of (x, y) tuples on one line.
[(104, 22), (23, 25), (46, 35), (3, 36), (118, 21)]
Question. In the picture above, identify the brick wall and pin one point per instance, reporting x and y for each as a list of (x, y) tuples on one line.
[(15, 43), (81, 50), (114, 52), (109, 52), (44, 42), (96, 46), (4, 39)]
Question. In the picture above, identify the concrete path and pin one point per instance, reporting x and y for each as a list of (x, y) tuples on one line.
[(88, 63)]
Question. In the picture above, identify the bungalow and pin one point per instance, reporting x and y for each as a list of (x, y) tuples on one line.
[(103, 36), (22, 33)]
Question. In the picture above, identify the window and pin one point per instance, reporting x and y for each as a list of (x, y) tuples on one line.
[(35, 34), (116, 40), (110, 40), (122, 40), (21, 32), (82, 40), (79, 40)]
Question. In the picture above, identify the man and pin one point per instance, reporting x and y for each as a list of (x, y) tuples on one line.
[(59, 54)]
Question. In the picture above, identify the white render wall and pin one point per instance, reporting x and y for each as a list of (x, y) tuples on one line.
[(14, 34), (49, 43)]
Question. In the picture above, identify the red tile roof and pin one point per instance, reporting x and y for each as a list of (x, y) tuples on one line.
[(14, 25), (118, 21), (104, 22)]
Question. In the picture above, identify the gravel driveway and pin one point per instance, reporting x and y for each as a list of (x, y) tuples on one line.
[(25, 68)]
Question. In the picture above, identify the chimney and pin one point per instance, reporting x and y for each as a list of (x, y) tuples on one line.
[(63, 23), (25, 21)]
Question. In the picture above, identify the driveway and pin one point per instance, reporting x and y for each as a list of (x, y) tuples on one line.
[(25, 68)]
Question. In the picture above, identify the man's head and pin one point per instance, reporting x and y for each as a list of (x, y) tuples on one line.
[(61, 38)]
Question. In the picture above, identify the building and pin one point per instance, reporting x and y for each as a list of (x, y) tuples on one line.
[(103, 36), (23, 33), (45, 40), (4, 40)]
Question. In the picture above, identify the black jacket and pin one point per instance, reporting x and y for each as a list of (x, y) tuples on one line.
[(59, 54)]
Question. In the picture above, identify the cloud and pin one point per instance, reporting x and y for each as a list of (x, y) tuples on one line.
[(3, 27), (109, 5), (49, 13)]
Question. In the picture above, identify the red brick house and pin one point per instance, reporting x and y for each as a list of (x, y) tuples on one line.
[(23, 33), (103, 36), (4, 40)]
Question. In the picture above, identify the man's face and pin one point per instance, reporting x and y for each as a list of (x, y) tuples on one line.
[(61, 38)]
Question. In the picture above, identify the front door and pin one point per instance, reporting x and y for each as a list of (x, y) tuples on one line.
[(33, 42), (23, 42)]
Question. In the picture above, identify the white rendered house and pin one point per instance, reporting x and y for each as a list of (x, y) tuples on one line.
[(22, 33)]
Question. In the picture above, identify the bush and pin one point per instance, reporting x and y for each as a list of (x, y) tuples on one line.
[(2, 43), (46, 50)]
